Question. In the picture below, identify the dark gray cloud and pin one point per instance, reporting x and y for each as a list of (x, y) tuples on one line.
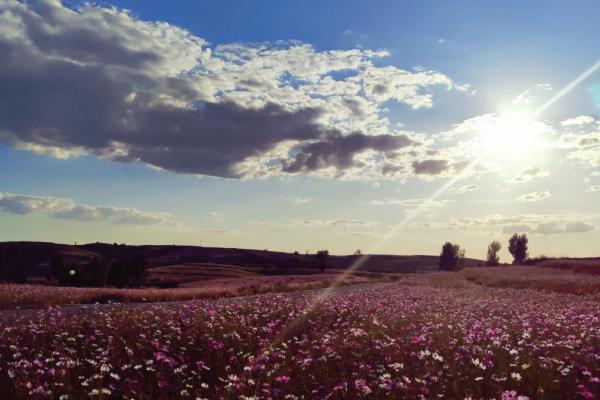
[(98, 81), (430, 167), (338, 151), (52, 101)]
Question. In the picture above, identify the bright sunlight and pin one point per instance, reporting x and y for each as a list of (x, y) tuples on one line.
[(511, 138)]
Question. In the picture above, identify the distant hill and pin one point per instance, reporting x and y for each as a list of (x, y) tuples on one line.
[(36, 256)]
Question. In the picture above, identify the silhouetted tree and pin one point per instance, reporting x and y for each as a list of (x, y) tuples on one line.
[(358, 252), (450, 256), (58, 270), (117, 274), (492, 253), (12, 266), (322, 256), (517, 246), (97, 272), (136, 270), (3, 265)]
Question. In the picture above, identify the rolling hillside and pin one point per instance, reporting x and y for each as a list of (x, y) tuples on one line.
[(221, 262)]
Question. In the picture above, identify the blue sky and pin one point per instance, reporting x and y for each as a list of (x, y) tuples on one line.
[(376, 108)]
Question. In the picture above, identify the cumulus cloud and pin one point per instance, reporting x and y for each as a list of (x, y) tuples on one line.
[(529, 174), (100, 81), (67, 209), (581, 140), (338, 151), (577, 121), (595, 188), (535, 196)]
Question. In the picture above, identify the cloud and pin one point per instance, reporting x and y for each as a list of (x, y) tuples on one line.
[(411, 203), (577, 121), (535, 196), (581, 140), (346, 223), (543, 224), (215, 215), (529, 174), (67, 209), (465, 189), (296, 200), (338, 151), (532, 94), (128, 90), (595, 188)]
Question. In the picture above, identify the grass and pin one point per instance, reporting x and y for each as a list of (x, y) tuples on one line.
[(551, 279), (27, 296), (588, 266)]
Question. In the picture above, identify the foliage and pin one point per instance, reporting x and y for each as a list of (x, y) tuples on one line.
[(450, 257), (492, 254), (323, 256), (517, 246)]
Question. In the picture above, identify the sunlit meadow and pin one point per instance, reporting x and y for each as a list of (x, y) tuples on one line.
[(428, 337)]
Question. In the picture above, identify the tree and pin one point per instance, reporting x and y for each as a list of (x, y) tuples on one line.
[(492, 253), (451, 256), (517, 246), (136, 269), (117, 275), (358, 252), (58, 270), (97, 272), (322, 256)]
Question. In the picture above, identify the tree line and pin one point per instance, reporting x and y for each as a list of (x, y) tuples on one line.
[(452, 256), (98, 272)]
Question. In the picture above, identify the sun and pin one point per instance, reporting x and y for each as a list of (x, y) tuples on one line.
[(510, 138)]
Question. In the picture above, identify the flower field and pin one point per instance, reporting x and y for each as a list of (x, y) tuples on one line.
[(406, 340), (28, 296)]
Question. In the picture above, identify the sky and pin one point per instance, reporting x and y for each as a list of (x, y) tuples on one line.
[(390, 127)]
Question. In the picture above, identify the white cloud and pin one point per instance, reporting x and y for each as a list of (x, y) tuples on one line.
[(464, 189), (215, 215), (532, 94), (297, 200), (529, 174), (347, 223), (67, 209), (544, 224), (155, 93), (577, 121), (535, 196), (411, 203)]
